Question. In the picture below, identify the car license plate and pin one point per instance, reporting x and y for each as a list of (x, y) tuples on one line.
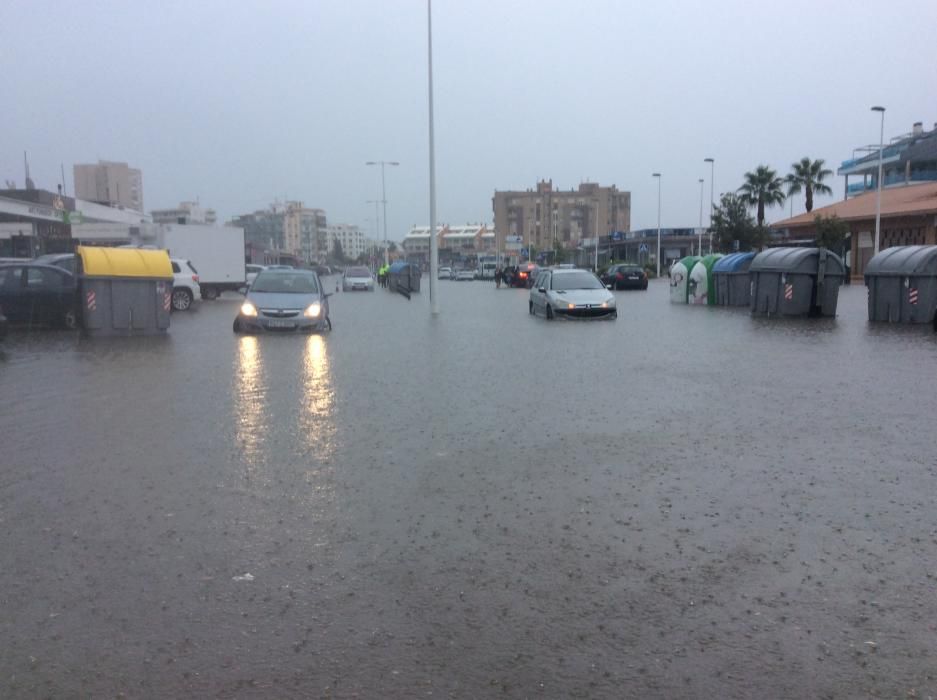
[(280, 324)]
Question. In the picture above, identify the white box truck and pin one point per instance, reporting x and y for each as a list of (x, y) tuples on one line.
[(217, 252)]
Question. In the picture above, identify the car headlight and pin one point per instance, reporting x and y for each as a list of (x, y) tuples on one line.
[(313, 310), (248, 309)]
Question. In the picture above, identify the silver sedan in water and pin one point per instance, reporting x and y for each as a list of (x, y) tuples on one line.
[(571, 293), (284, 300)]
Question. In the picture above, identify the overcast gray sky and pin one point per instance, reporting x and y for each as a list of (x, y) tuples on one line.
[(241, 102)]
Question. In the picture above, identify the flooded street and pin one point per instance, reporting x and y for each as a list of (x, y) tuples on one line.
[(683, 503)]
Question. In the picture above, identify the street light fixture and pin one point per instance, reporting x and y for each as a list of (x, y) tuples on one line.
[(878, 195), (712, 182), (433, 243), (382, 163), (657, 175), (701, 181)]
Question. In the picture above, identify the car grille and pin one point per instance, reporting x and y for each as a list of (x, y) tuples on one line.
[(281, 313), (594, 312)]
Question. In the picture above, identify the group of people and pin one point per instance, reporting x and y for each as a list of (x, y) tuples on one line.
[(505, 275)]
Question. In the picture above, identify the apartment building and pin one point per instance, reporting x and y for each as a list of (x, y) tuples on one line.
[(111, 183), (185, 213), (545, 216)]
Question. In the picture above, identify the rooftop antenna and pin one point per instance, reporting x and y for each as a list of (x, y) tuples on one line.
[(30, 185)]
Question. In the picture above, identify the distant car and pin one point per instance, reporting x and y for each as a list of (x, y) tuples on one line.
[(37, 294), (572, 294), (465, 275), (522, 275), (623, 276), (445, 273), (250, 273), (357, 278), (185, 289), (284, 300)]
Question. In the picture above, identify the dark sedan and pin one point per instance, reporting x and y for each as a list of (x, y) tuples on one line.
[(37, 294), (625, 277)]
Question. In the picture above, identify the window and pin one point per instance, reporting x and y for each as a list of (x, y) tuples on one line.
[(10, 277)]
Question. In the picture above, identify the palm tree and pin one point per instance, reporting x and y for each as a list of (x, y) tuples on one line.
[(808, 176), (762, 187)]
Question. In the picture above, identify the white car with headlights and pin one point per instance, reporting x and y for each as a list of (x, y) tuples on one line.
[(571, 294), (357, 278), (284, 300)]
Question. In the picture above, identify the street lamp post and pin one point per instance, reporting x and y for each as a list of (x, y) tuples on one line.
[(878, 195), (701, 181), (377, 224), (712, 183), (596, 227), (382, 163), (657, 175), (433, 243)]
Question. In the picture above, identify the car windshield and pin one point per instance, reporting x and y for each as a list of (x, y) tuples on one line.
[(285, 283), (576, 280), (357, 272)]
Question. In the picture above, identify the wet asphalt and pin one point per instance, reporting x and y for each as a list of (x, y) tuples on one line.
[(683, 503)]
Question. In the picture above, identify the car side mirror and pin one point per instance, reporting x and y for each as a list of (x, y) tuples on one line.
[(542, 290), (326, 295), (608, 286)]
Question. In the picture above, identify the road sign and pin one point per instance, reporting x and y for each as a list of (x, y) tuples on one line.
[(524, 252), (643, 248), (512, 246)]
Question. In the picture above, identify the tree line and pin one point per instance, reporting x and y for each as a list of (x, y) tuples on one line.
[(734, 228)]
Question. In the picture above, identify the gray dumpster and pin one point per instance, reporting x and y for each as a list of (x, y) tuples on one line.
[(732, 280), (403, 277), (124, 291), (796, 282), (902, 284)]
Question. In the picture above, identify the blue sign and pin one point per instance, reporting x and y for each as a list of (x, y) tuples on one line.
[(524, 252), (617, 235), (643, 248)]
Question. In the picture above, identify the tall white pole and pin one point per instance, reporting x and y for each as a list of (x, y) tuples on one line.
[(384, 202), (878, 194), (701, 181), (596, 268), (657, 175), (433, 244), (712, 185)]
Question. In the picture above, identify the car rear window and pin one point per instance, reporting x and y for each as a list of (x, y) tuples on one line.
[(357, 272)]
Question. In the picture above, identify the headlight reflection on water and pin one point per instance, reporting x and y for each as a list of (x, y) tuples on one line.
[(316, 420), (250, 398)]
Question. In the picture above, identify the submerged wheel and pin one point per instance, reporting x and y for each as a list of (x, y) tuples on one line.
[(237, 326), (70, 320), (181, 299), (549, 312), (209, 293), (530, 308)]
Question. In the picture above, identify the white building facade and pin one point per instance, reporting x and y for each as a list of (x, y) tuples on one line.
[(350, 237)]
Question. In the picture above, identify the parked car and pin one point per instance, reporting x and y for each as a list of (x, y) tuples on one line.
[(357, 279), (284, 300), (522, 275), (571, 293), (3, 324), (250, 273), (185, 289), (445, 273), (38, 294), (67, 261), (465, 275), (624, 276)]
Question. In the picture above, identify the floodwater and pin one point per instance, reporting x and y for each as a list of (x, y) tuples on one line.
[(683, 503)]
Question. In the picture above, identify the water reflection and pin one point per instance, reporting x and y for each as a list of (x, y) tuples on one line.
[(316, 419), (250, 398)]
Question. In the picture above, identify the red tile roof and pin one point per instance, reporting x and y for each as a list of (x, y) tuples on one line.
[(906, 200)]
